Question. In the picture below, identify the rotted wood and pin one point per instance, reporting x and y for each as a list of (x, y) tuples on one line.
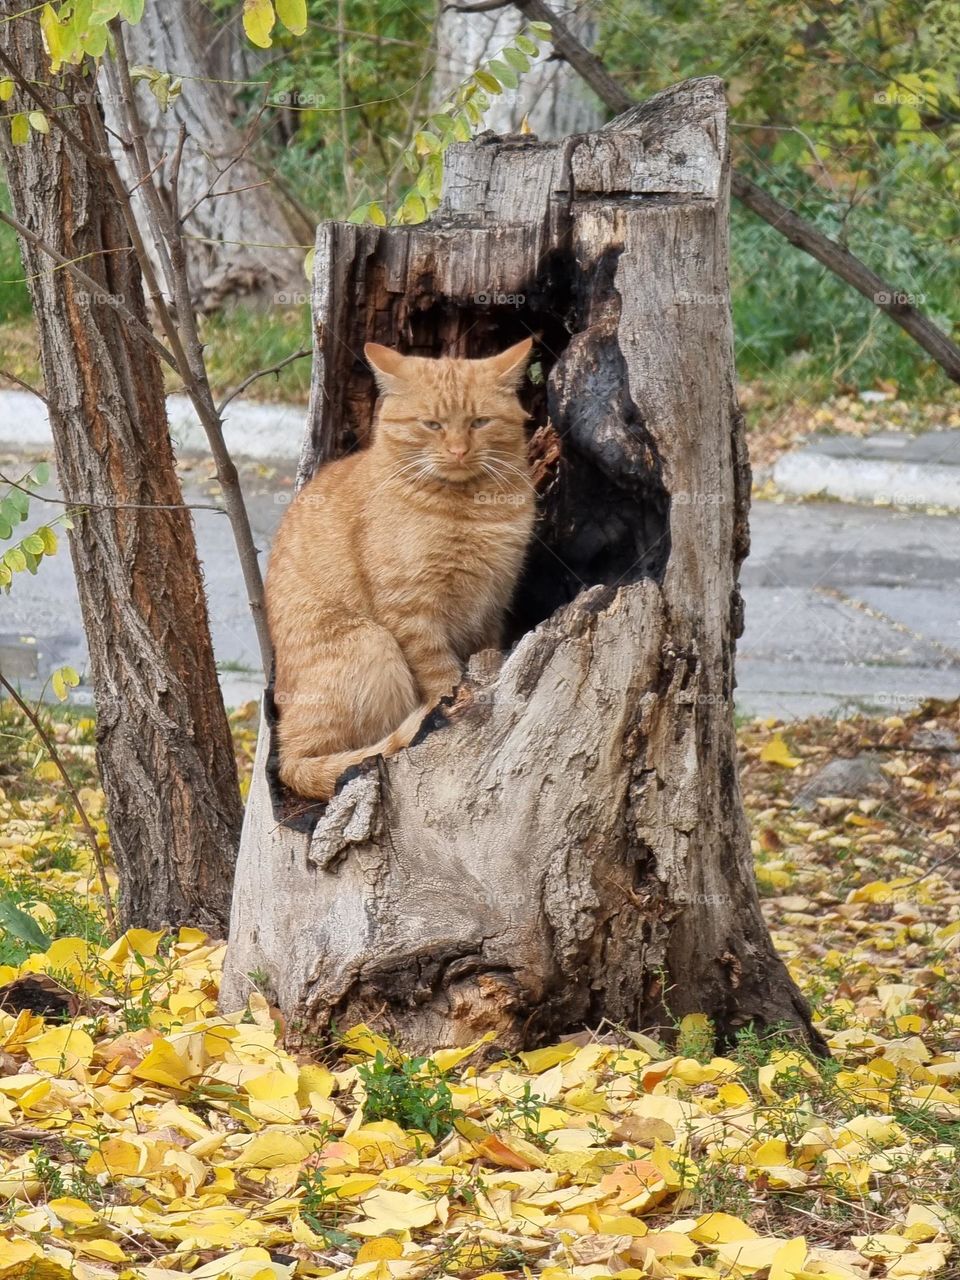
[(565, 840)]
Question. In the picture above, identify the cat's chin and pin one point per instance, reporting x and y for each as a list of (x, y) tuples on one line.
[(456, 475)]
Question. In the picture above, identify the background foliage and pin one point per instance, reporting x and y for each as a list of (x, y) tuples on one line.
[(849, 113)]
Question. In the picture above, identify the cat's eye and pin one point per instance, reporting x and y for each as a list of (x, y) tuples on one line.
[(481, 422), (430, 425)]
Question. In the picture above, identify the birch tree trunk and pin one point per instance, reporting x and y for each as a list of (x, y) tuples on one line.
[(551, 95), (164, 750), (240, 245), (565, 841)]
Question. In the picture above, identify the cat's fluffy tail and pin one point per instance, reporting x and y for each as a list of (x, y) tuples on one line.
[(315, 777)]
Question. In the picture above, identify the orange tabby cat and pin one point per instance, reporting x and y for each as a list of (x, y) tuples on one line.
[(396, 563)]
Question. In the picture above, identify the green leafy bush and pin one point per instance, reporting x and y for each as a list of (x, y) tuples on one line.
[(413, 1093)]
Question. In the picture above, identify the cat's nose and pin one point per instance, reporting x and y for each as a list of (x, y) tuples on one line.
[(458, 452)]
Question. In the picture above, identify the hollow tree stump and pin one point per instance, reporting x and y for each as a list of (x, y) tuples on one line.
[(565, 841)]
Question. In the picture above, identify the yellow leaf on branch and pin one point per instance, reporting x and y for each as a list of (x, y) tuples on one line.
[(258, 20)]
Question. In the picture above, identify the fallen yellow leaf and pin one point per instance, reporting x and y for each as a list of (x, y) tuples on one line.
[(776, 751)]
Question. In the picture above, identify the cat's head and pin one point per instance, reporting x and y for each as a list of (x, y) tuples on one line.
[(451, 420)]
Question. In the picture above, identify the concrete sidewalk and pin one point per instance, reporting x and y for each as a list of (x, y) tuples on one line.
[(847, 607), (40, 626)]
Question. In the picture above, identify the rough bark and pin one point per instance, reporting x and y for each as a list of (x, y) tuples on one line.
[(163, 743), (551, 94), (565, 841), (233, 239)]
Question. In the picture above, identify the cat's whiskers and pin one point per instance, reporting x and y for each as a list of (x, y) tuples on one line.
[(414, 468), (496, 467), (487, 469), (508, 459), (510, 469)]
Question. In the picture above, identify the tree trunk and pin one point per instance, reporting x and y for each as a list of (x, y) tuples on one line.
[(565, 840), (163, 743), (241, 245), (550, 95)]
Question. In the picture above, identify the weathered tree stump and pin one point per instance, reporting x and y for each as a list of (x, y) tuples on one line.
[(565, 841)]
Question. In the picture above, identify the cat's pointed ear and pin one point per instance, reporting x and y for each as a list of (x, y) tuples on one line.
[(510, 365), (387, 365)]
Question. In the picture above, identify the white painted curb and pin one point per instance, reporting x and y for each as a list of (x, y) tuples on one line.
[(907, 484), (252, 430)]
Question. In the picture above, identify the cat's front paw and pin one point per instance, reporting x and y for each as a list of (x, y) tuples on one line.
[(441, 689), (440, 682)]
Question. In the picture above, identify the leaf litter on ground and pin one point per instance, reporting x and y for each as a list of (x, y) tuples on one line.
[(144, 1134)]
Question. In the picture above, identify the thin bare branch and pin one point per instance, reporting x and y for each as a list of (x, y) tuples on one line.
[(260, 373), (175, 169), (230, 191), (152, 285), (79, 505), (374, 36), (51, 112), (137, 185), (484, 6), (838, 259), (166, 229), (247, 142), (308, 217), (95, 286), (12, 377), (586, 63)]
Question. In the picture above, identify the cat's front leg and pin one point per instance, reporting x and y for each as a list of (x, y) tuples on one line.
[(436, 668), (490, 633), (437, 673)]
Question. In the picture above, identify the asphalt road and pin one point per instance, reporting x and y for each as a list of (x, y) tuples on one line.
[(848, 607)]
